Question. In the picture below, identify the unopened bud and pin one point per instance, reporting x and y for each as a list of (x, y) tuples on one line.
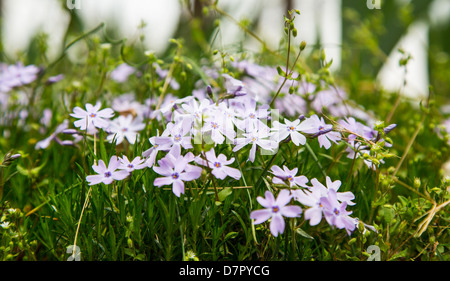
[(209, 91), (70, 131), (389, 128), (302, 45), (417, 183)]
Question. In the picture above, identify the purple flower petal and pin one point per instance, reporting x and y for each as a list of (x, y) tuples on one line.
[(277, 225), (260, 216)]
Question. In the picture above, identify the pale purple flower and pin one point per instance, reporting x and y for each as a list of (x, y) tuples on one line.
[(17, 75), (312, 197), (126, 104), (157, 145), (357, 127), (219, 165), (335, 212), (275, 209), (124, 127), (234, 86), (92, 116), (218, 126), (54, 136), (318, 128), (175, 171), (136, 164), (108, 174), (177, 134), (253, 117), (255, 138), (284, 176), (169, 103), (289, 129), (291, 105), (122, 72), (327, 98)]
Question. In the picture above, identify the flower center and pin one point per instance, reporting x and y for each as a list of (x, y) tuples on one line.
[(321, 128), (252, 115), (217, 164), (291, 128), (177, 138), (124, 129), (130, 166), (175, 176), (214, 125), (107, 174), (290, 178), (275, 209), (92, 115), (336, 212)]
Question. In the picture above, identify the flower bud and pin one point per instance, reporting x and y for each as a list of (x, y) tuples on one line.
[(389, 128), (302, 45)]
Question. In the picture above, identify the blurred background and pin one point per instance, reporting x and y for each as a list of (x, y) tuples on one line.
[(362, 37)]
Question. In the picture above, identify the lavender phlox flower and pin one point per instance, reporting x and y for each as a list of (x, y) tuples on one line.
[(108, 174), (177, 134), (17, 75), (219, 165), (218, 126), (289, 129), (175, 171), (194, 110), (360, 150), (126, 104), (253, 116), (335, 212), (275, 209), (306, 89), (157, 145), (137, 163), (291, 105), (318, 128), (287, 177), (54, 136), (326, 98), (313, 195), (261, 138), (46, 119), (92, 117), (359, 129), (124, 127), (168, 104), (234, 86), (122, 72)]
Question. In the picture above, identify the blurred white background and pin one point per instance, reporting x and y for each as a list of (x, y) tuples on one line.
[(23, 18)]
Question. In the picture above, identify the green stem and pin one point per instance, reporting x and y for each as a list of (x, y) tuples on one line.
[(314, 156)]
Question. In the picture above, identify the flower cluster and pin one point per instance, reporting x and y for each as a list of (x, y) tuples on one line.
[(239, 116), (319, 200)]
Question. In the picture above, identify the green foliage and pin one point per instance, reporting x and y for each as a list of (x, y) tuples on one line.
[(44, 191)]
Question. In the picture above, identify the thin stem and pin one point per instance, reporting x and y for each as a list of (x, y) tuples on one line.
[(86, 201)]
